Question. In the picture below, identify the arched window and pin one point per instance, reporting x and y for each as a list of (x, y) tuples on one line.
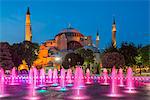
[(73, 45)]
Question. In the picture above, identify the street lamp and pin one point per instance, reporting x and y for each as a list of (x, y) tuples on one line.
[(69, 60), (57, 59), (78, 63)]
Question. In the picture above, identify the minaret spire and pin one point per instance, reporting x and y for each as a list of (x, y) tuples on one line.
[(114, 33), (28, 11), (28, 32), (97, 35), (97, 39), (69, 25), (114, 22)]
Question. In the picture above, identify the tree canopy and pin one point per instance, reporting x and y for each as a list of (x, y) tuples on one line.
[(110, 48), (144, 53), (129, 51), (87, 54), (75, 59), (113, 59), (5, 56), (24, 51)]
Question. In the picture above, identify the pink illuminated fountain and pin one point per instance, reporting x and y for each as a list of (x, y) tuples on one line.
[(88, 77), (114, 89), (69, 77), (113, 85), (105, 75), (62, 80), (130, 84), (78, 78), (32, 92), (1, 82), (129, 79), (30, 76), (78, 92), (35, 77), (55, 78), (81, 76), (120, 77), (50, 73), (42, 76), (2, 91), (13, 77)]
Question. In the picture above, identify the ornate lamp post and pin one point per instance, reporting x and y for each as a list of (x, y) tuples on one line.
[(78, 63), (58, 60), (69, 60)]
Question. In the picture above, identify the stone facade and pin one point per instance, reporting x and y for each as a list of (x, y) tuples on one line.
[(67, 39)]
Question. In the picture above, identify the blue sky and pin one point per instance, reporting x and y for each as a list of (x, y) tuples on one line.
[(48, 18)]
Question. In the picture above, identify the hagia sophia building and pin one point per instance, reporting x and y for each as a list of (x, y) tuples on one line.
[(67, 40)]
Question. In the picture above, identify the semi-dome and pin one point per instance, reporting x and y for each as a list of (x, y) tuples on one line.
[(70, 32)]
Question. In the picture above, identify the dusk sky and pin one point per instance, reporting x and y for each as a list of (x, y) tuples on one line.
[(48, 18)]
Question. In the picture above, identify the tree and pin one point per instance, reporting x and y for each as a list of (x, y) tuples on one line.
[(87, 54), (129, 51), (112, 59), (50, 52), (138, 60), (72, 59), (110, 48), (24, 51), (5, 56), (144, 52)]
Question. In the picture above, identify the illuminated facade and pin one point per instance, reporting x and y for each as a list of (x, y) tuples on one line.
[(67, 39)]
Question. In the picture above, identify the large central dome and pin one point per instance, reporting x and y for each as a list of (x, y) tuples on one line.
[(70, 32)]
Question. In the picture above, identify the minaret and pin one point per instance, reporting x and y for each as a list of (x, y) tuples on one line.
[(69, 25), (28, 33), (114, 33), (97, 39)]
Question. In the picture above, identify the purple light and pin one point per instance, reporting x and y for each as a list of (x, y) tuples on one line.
[(78, 81), (79, 95), (130, 91), (42, 76), (114, 95), (50, 76), (62, 80), (114, 89), (130, 84), (120, 77), (55, 78), (69, 74), (88, 77), (38, 80), (2, 93), (105, 77)]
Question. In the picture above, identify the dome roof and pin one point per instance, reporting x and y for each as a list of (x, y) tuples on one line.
[(70, 32)]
